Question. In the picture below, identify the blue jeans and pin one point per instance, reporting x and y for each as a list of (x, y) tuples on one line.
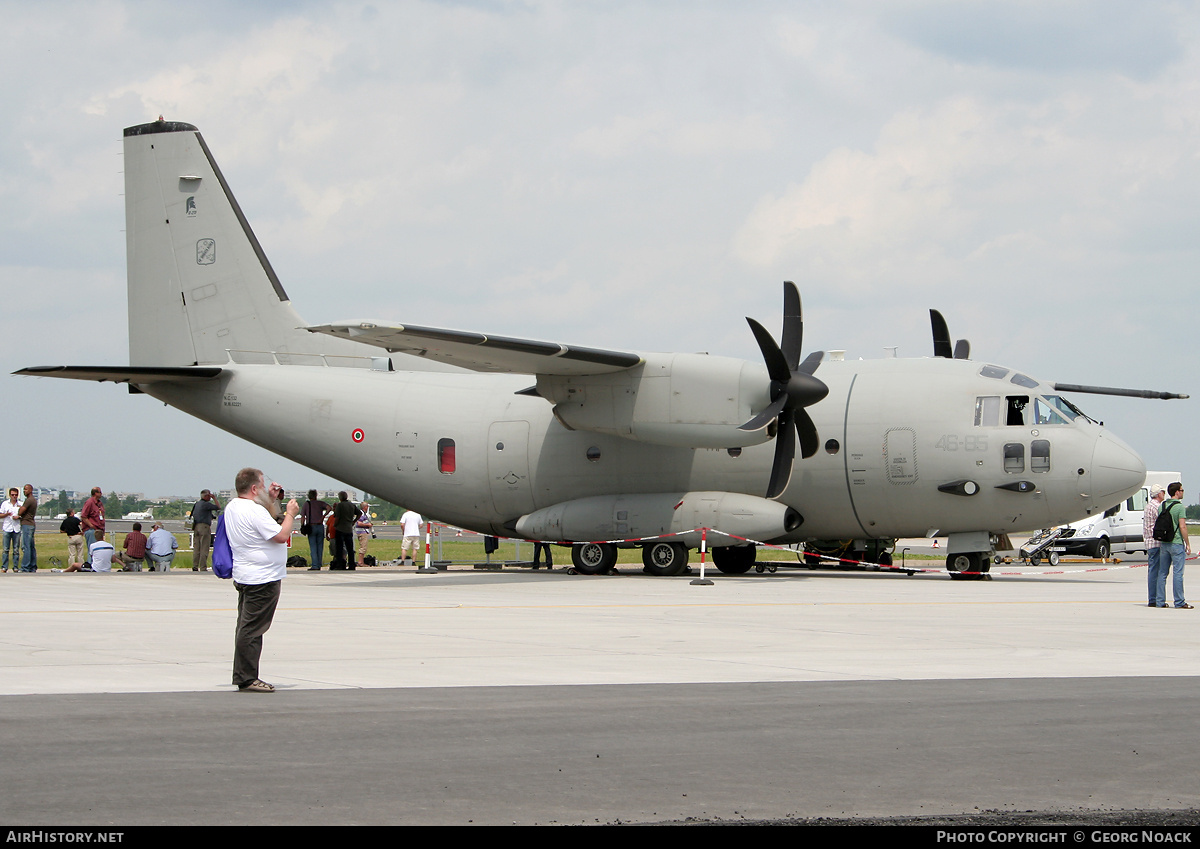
[(1176, 552), (29, 550), (89, 537), (1158, 564), (12, 540), (316, 546)]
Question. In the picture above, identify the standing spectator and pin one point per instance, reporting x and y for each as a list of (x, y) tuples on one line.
[(362, 531), (259, 546), (92, 518), (1178, 549), (12, 529), (345, 514), (1157, 566), (312, 525), (160, 548), (76, 545), (204, 512), (411, 521), (134, 550), (28, 514)]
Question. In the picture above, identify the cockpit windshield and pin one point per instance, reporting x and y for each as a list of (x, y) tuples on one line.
[(1068, 410), (1044, 413)]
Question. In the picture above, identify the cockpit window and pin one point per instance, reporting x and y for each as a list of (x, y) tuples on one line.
[(994, 372), (1044, 414), (1068, 410), (1021, 380), (1016, 405)]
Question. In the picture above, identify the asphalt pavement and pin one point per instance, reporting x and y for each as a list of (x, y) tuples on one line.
[(519, 697)]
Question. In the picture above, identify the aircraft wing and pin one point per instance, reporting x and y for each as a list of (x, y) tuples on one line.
[(125, 374), (483, 352)]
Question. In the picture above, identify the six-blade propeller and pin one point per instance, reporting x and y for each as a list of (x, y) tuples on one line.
[(793, 387)]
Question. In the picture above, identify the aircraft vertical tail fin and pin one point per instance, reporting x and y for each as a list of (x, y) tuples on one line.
[(199, 282)]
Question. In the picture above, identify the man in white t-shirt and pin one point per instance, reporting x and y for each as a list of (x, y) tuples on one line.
[(259, 545), (411, 520), (101, 553), (12, 529)]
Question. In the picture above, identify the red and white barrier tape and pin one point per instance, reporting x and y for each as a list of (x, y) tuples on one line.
[(823, 557)]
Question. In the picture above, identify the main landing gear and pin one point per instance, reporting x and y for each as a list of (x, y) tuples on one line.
[(734, 559), (661, 558), (664, 559), (593, 558), (969, 566)]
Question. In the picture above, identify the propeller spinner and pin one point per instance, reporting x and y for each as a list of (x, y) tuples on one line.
[(793, 387)]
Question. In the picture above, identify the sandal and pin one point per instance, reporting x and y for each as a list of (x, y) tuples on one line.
[(256, 686)]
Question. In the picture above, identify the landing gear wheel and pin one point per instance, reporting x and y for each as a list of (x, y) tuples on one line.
[(593, 558), (1101, 550), (734, 559), (812, 561), (664, 559), (968, 562)]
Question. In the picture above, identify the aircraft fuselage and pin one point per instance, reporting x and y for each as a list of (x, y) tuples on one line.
[(467, 449)]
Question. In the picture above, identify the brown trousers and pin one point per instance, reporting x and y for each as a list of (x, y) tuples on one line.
[(256, 610)]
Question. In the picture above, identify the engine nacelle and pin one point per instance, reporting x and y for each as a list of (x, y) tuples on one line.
[(682, 400), (622, 517)]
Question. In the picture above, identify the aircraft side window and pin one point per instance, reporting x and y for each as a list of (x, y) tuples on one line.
[(1016, 410), (1021, 380), (1039, 455), (445, 454), (994, 372), (1014, 458), (987, 411)]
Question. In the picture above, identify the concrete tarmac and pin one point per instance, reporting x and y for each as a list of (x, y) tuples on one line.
[(482, 697)]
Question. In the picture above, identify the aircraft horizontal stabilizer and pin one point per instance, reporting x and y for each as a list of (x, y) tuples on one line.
[(125, 374), (480, 352)]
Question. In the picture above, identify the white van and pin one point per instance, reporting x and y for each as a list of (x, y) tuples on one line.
[(1119, 529)]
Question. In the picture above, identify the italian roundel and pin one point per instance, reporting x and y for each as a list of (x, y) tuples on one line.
[(358, 435)]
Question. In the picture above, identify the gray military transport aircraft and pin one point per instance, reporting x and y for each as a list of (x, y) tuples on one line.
[(604, 445)]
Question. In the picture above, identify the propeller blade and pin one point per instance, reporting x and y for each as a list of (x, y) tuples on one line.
[(811, 362), (792, 339), (941, 335), (785, 454), (809, 441), (962, 349), (777, 366), (768, 415)]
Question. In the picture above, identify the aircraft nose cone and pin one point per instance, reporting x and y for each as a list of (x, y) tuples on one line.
[(1117, 471)]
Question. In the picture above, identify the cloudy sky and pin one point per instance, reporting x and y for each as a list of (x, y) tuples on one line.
[(623, 175)]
